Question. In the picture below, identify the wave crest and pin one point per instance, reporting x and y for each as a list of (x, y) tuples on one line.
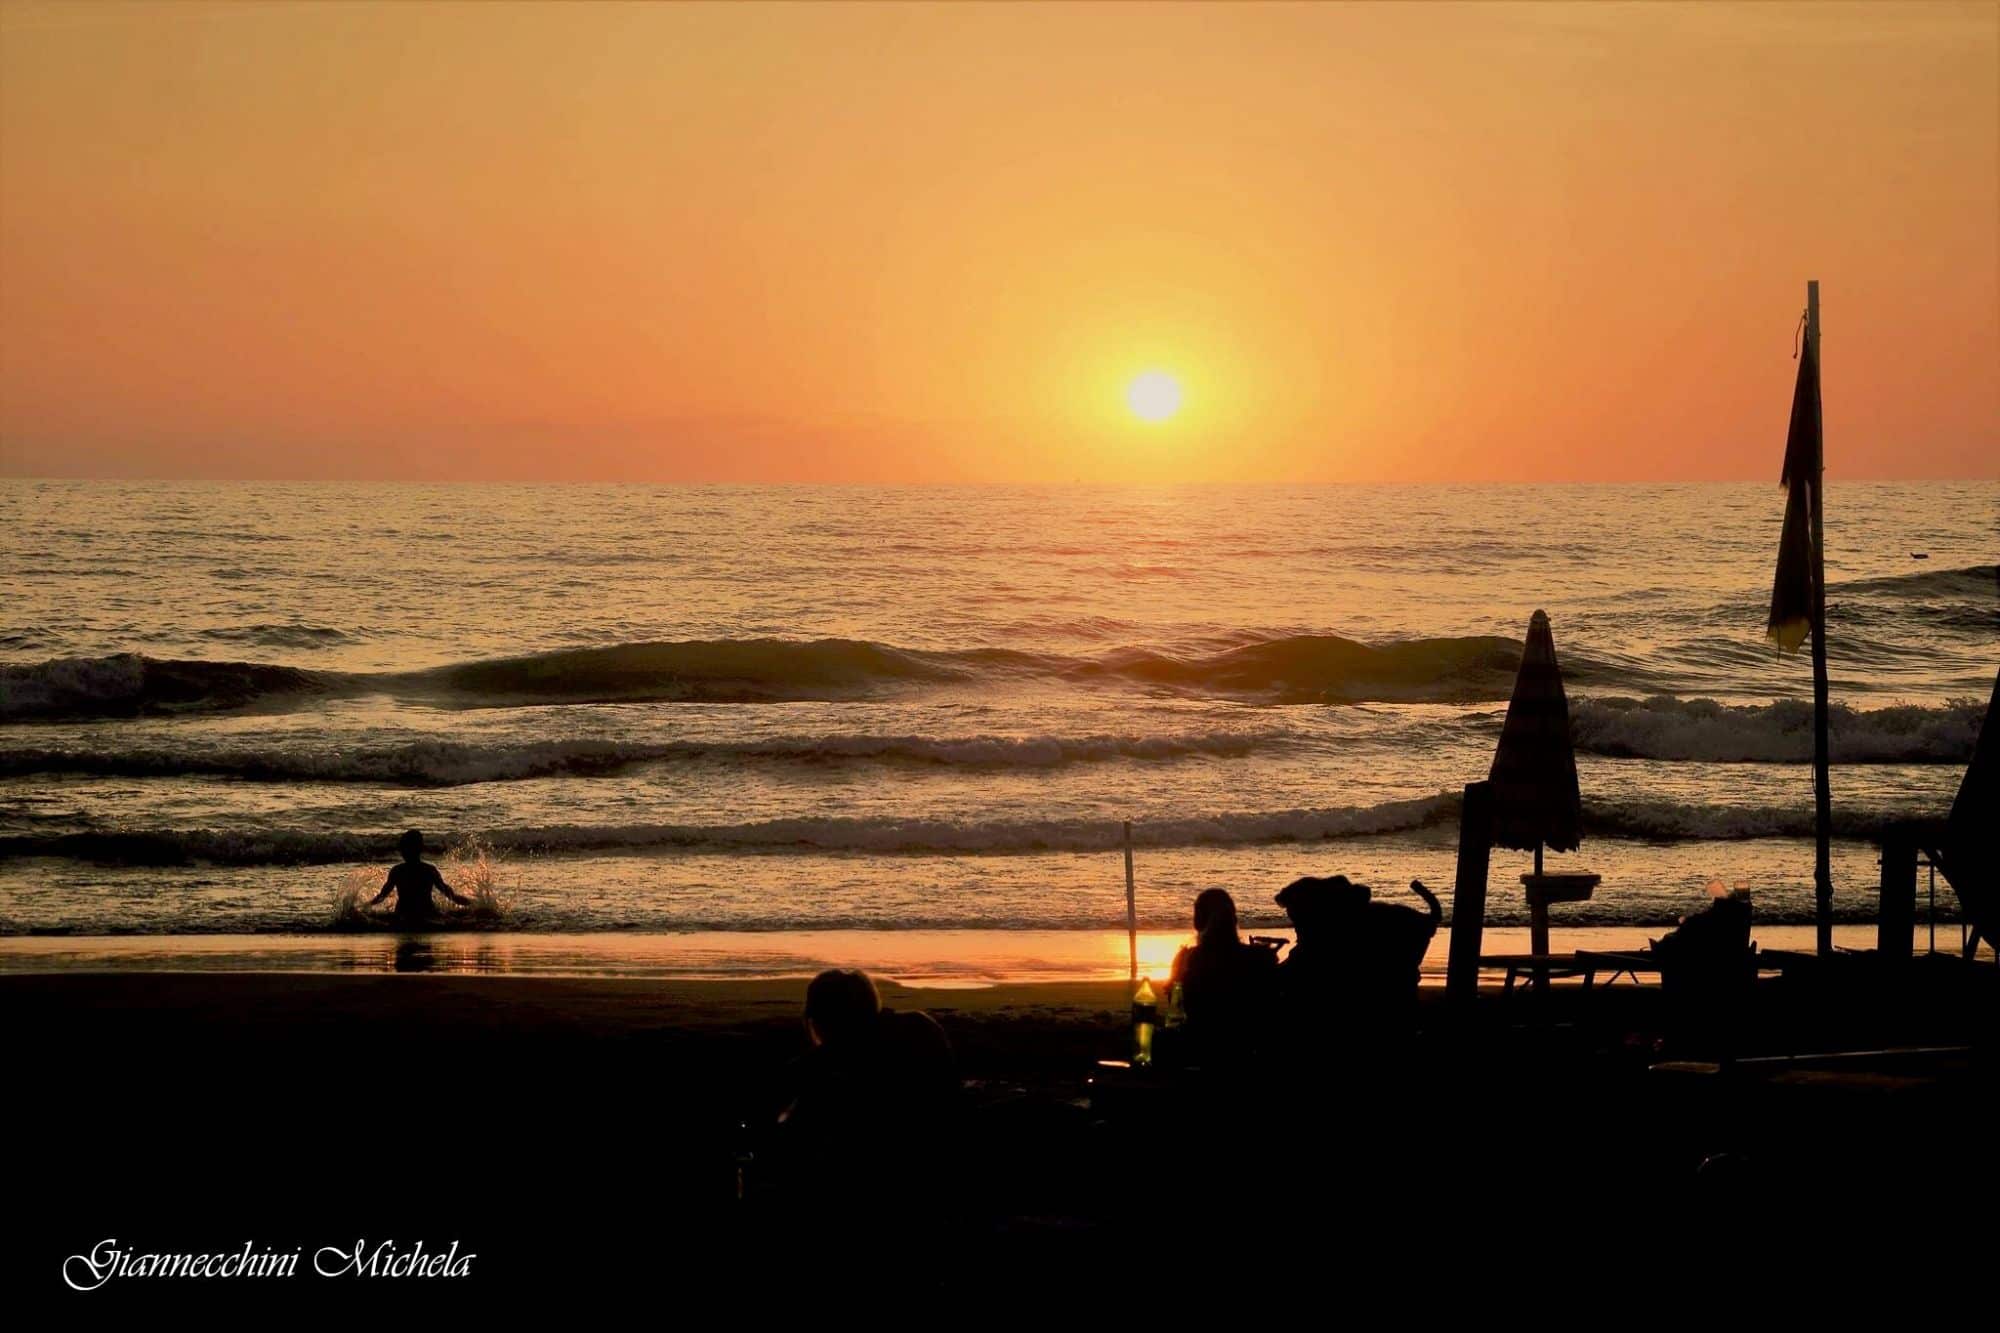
[(1705, 731), (805, 835), (1648, 820), (127, 684), (438, 763), (1287, 669), (1973, 581)]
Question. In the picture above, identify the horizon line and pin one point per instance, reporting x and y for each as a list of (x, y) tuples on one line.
[(958, 484)]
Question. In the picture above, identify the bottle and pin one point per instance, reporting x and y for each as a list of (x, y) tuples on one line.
[(1172, 1036), (1145, 1017)]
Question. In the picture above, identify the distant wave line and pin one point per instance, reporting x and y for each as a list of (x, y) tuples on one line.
[(449, 763)]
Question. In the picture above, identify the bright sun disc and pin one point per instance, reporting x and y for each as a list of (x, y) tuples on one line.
[(1154, 396)]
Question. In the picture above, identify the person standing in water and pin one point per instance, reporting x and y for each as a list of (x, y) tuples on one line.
[(413, 881)]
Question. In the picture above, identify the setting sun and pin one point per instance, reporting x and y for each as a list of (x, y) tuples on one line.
[(1154, 396)]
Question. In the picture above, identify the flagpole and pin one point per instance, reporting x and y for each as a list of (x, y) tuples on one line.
[(1822, 790)]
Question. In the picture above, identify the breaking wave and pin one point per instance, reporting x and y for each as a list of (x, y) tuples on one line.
[(1704, 731), (126, 684), (1648, 820), (1972, 582), (797, 835), (1289, 669), (1679, 821)]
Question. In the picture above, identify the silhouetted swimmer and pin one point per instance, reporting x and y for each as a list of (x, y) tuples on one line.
[(1225, 983), (412, 882)]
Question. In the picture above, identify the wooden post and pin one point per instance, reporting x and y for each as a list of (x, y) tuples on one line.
[(1822, 792), (1468, 895), (1895, 921), (1131, 908)]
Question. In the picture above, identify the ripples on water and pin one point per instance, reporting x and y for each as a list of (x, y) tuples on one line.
[(767, 707)]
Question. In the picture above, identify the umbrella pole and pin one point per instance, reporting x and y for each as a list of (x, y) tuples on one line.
[(1538, 923), (1822, 792)]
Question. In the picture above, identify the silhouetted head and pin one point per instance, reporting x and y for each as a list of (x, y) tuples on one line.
[(841, 1005), (411, 845), (1312, 901), (1215, 916)]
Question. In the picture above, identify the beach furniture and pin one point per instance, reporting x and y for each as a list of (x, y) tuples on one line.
[(1611, 964), (1531, 966), (1544, 890)]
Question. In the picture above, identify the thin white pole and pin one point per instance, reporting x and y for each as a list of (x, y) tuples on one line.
[(1131, 907)]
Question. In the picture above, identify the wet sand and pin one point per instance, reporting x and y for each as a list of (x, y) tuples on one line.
[(931, 959)]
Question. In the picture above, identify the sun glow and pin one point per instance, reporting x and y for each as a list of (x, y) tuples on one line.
[(1154, 396)]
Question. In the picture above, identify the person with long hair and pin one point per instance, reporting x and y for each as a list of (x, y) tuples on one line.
[(1225, 984)]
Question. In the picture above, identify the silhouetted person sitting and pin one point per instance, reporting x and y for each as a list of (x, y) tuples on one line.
[(1353, 972), (872, 1093), (1225, 984), (1707, 975), (412, 883)]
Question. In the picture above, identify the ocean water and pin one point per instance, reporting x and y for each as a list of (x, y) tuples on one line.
[(719, 709)]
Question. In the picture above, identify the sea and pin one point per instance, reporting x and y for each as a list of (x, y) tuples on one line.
[(914, 715)]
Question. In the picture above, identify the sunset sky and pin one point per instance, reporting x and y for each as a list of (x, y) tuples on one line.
[(911, 243)]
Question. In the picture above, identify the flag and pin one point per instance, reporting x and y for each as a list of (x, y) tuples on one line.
[(1792, 590)]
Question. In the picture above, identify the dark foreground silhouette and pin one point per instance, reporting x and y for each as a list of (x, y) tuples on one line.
[(585, 1142)]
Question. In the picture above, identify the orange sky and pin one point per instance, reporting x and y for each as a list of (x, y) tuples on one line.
[(1409, 242)]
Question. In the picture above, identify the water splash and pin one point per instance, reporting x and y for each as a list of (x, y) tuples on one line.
[(470, 865)]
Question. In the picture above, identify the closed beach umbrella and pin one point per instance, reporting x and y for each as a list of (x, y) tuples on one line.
[(1535, 797), (1791, 618)]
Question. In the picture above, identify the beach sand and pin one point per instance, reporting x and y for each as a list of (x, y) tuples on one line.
[(581, 1133)]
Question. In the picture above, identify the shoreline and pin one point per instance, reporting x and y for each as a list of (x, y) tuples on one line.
[(932, 960)]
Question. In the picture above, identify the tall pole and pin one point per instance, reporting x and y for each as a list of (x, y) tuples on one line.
[(1822, 791), (1131, 908)]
